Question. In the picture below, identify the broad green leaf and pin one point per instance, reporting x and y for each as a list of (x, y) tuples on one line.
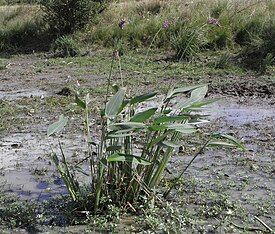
[(198, 121), (167, 111), (176, 91), (57, 126), (79, 102), (124, 103), (113, 105), (157, 127), (119, 157), (213, 143), (206, 102), (143, 116), (183, 128), (231, 139), (171, 144), (142, 98), (198, 109), (197, 95), (158, 139), (119, 135), (165, 119), (126, 126)]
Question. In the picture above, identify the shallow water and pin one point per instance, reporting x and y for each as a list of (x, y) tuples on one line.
[(23, 93), (24, 155)]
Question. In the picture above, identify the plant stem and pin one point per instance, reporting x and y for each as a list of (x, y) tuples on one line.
[(147, 53)]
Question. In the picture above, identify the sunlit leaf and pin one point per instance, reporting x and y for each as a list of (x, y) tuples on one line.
[(57, 126), (119, 135), (231, 139), (158, 139), (119, 157), (126, 126), (206, 102), (142, 98), (171, 144), (183, 128), (213, 143), (165, 119), (197, 95), (176, 91), (79, 102), (143, 116), (113, 105), (157, 127)]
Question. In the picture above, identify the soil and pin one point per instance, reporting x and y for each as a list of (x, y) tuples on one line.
[(36, 86)]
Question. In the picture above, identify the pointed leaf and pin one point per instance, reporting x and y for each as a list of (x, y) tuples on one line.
[(126, 126), (165, 119), (213, 143), (119, 135), (197, 95), (157, 127), (142, 98), (171, 144), (206, 102), (143, 116), (119, 157), (79, 102), (231, 139), (57, 126), (183, 128), (113, 105), (158, 139), (176, 91)]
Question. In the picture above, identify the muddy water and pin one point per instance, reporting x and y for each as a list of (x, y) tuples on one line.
[(26, 168), (23, 93)]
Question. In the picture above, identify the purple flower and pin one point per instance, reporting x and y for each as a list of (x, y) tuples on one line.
[(166, 24), (122, 23), (214, 22)]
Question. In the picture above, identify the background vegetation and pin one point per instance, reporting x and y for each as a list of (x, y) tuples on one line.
[(243, 30)]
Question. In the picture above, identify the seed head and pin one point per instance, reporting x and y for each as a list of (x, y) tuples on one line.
[(122, 23), (166, 24), (214, 22)]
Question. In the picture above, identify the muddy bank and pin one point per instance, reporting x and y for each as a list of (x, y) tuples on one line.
[(33, 86)]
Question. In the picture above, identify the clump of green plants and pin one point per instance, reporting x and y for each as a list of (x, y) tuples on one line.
[(135, 144), (65, 46), (15, 213)]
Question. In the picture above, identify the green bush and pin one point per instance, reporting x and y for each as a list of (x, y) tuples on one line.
[(19, 34), (187, 42), (65, 46), (68, 16)]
